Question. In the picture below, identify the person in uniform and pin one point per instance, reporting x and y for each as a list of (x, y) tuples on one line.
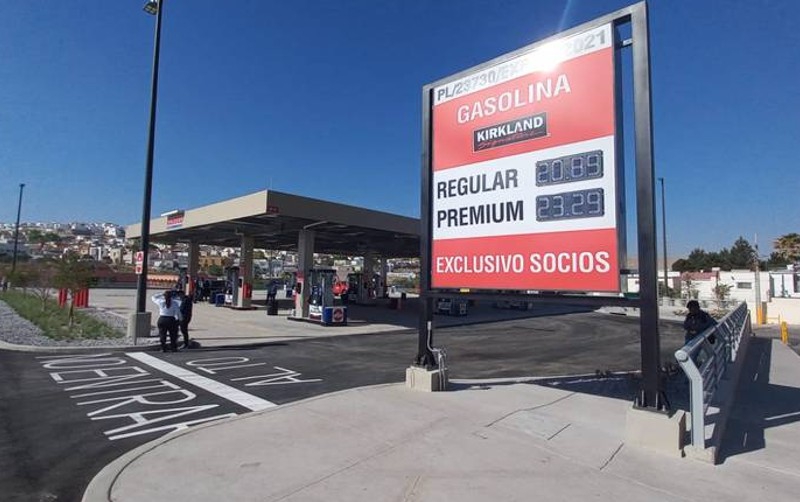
[(185, 308), (168, 318)]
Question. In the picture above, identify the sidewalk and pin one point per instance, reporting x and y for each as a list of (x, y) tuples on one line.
[(477, 442), (221, 326)]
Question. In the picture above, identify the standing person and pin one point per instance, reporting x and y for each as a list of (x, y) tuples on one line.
[(186, 306), (168, 315), (206, 289), (272, 292), (198, 290), (697, 321)]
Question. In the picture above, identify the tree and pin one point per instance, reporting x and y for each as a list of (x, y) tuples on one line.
[(35, 236), (688, 290), (681, 265), (742, 254), (43, 280), (777, 261), (698, 260), (73, 274), (21, 277), (51, 237), (722, 292), (788, 247)]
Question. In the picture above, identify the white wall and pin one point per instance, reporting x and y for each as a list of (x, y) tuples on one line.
[(786, 309)]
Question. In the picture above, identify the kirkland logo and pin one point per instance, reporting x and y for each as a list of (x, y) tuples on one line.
[(509, 132)]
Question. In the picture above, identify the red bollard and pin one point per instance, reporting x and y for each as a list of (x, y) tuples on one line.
[(81, 299)]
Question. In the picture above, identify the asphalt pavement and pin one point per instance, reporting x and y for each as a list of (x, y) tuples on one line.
[(479, 441), (66, 414), (112, 401)]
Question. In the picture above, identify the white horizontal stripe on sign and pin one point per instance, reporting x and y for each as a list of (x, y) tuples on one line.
[(520, 172), (232, 394), (543, 58)]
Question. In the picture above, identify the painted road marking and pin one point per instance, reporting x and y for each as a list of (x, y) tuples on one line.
[(282, 378), (237, 396), (124, 393), (213, 365)]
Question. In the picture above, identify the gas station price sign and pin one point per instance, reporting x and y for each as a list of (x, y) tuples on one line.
[(523, 178)]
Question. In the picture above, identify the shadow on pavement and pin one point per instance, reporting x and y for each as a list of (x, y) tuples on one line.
[(614, 385), (759, 405), (624, 386)]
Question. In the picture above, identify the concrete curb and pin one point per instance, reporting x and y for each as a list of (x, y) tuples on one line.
[(58, 348), (101, 485)]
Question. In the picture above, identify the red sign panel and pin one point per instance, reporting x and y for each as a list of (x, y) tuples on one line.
[(175, 220), (524, 188), (139, 262)]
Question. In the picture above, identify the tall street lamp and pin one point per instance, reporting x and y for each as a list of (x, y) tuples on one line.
[(664, 235), (140, 323), (16, 230)]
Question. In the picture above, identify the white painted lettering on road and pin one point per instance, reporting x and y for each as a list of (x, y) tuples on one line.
[(140, 419), (283, 377), (120, 401), (213, 365), (81, 361), (100, 379), (237, 396)]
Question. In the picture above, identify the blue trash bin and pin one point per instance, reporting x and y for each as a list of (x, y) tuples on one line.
[(334, 315), (219, 300)]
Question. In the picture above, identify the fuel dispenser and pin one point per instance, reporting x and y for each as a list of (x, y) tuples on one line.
[(319, 285), (183, 279), (361, 290), (232, 285)]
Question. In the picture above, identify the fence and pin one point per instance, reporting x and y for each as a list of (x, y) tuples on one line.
[(706, 360)]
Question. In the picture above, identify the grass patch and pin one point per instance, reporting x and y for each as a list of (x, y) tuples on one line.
[(54, 321)]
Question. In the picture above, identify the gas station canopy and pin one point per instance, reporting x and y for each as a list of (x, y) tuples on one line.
[(274, 220)]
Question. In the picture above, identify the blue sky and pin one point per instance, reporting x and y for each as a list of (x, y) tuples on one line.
[(322, 99)]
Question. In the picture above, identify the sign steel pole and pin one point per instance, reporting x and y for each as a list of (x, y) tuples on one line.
[(664, 237), (425, 330), (651, 393)]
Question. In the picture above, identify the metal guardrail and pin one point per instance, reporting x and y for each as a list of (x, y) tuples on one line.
[(705, 360)]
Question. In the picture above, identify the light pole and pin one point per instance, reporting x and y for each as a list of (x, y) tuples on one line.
[(141, 319), (16, 230), (664, 235)]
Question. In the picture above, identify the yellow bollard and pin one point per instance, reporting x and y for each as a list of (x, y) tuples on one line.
[(784, 333)]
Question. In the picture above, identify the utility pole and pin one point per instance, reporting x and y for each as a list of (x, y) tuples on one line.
[(759, 312)]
